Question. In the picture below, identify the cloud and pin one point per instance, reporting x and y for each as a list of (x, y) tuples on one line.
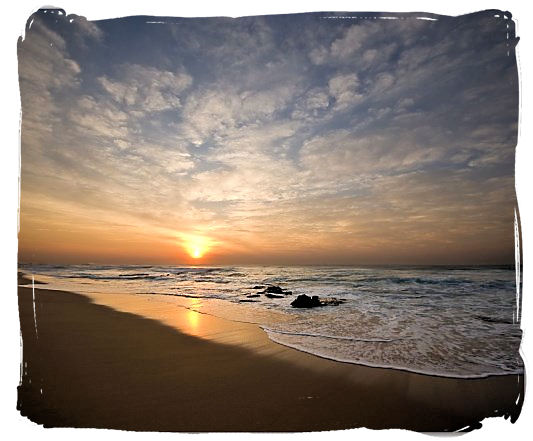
[(369, 43), (342, 154), (216, 112), (45, 69), (344, 89), (85, 29), (98, 118), (146, 89)]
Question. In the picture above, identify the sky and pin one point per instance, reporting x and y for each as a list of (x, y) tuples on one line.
[(298, 139)]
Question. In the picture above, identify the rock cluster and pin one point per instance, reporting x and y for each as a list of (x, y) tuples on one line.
[(274, 292), (304, 301)]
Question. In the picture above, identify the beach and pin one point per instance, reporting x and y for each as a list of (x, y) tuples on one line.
[(276, 223), (123, 362)]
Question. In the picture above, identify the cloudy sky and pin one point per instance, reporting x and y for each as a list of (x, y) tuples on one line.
[(297, 139)]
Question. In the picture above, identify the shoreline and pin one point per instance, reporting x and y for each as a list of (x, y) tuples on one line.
[(106, 300), (261, 385), (408, 371), (123, 302)]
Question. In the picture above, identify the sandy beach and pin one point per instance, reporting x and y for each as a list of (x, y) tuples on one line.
[(90, 365)]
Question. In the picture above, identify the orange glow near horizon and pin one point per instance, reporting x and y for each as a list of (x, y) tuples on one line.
[(197, 246)]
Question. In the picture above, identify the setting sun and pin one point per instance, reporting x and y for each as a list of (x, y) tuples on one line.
[(197, 246)]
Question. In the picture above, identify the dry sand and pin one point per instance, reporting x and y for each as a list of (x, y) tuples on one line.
[(139, 366)]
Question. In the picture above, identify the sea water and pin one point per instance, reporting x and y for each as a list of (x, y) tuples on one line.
[(447, 321)]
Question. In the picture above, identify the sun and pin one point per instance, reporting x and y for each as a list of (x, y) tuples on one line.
[(196, 246)]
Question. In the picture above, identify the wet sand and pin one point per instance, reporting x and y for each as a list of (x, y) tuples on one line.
[(143, 366)]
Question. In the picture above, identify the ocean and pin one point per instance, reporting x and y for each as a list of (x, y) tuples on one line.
[(461, 322)]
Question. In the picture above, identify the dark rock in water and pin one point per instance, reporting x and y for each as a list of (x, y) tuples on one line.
[(493, 320), (247, 300), (258, 287), (274, 289), (253, 295), (304, 301), (273, 296)]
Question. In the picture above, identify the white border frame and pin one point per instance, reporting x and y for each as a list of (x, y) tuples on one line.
[(14, 19)]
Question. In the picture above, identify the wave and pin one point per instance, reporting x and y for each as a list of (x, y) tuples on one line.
[(206, 280), (188, 296), (134, 274), (117, 277), (335, 337), (484, 318), (416, 370), (471, 284), (361, 281), (415, 280), (181, 270)]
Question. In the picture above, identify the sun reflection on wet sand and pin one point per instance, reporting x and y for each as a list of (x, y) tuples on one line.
[(194, 322), (181, 314), (193, 319)]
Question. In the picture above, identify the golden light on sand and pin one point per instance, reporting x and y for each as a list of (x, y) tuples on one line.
[(192, 319), (197, 246)]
